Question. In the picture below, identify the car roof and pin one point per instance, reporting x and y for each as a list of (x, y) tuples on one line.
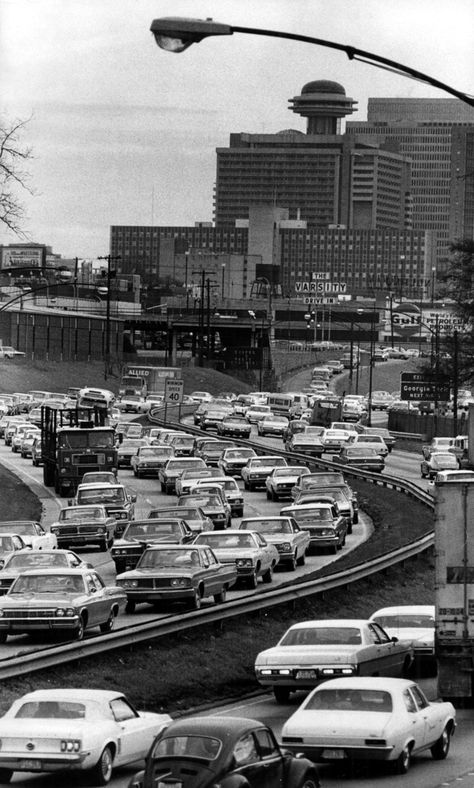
[(305, 506), (71, 694), (98, 485), (368, 683), (400, 610), (333, 623), (219, 726)]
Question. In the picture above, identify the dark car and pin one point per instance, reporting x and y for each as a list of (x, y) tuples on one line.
[(192, 515), (33, 601), (81, 525), (141, 534), (365, 459), (211, 450), (177, 573), (168, 474), (235, 427), (127, 449), (205, 752), (212, 505)]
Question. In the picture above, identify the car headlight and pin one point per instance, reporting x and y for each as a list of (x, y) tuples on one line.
[(101, 530), (65, 612), (328, 532), (180, 582), (286, 546), (128, 583), (244, 562)]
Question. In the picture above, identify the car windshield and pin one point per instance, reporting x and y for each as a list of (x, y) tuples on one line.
[(369, 439), (312, 516), (47, 709), (108, 494), (47, 584), (227, 541), (187, 746), (23, 529), (239, 454), (152, 453), (293, 470), (322, 636), (265, 462), (37, 558), (160, 559), (267, 526), (178, 465), (350, 700), (151, 530), (205, 501), (85, 440), (81, 513), (362, 452), (406, 620), (6, 544)]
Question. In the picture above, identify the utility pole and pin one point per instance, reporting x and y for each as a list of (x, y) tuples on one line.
[(110, 274)]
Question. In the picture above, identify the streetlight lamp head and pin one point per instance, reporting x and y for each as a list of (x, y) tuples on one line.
[(175, 34)]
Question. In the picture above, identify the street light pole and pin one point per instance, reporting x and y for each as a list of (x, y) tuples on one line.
[(175, 34), (108, 258)]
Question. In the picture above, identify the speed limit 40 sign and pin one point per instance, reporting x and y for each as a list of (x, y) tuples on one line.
[(174, 391)]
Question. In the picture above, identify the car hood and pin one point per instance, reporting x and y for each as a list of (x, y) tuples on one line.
[(226, 553), (314, 724), (308, 655), (37, 599), (138, 574)]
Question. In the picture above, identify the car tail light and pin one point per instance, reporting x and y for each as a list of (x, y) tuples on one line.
[(70, 745)]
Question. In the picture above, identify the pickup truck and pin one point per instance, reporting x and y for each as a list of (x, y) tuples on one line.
[(437, 444)]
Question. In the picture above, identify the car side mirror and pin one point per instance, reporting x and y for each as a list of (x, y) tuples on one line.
[(394, 640)]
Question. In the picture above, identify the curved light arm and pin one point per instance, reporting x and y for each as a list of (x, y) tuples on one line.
[(175, 34)]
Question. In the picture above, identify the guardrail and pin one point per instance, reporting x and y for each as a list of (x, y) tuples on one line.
[(157, 628)]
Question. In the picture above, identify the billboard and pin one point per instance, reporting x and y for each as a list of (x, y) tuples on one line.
[(22, 257)]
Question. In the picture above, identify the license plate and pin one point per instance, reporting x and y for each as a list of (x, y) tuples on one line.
[(306, 674), (337, 755), (168, 784), (32, 765)]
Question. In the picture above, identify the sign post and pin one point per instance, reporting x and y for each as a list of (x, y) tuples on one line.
[(174, 390)]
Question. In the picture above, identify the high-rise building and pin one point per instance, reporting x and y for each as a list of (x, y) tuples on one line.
[(438, 137), (322, 176)]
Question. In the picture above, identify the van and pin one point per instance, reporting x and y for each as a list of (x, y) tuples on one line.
[(281, 404), (321, 373)]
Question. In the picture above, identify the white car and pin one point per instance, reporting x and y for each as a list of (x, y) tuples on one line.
[(367, 719), (272, 425), (411, 622), (311, 652), (256, 413), (32, 533), (255, 472), (248, 551), (371, 441), (281, 481), (87, 730)]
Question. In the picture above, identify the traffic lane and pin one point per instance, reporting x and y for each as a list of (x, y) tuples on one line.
[(149, 496), (424, 772)]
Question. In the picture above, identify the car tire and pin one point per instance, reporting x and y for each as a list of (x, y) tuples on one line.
[(292, 565), (130, 606), (355, 519), (3, 637), (301, 560), (403, 762), (252, 581), (108, 625), (269, 496), (309, 782), (221, 597), (196, 601), (246, 485), (103, 546), (440, 748), (102, 772), (282, 694), (267, 576), (5, 775), (79, 631)]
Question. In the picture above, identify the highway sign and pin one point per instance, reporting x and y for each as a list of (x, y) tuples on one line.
[(419, 386), (174, 390)]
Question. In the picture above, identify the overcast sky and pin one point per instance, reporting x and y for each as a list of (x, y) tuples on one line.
[(124, 133)]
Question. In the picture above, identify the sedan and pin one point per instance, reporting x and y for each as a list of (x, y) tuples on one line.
[(305, 443), (22, 560), (323, 522), (272, 425), (291, 541), (311, 652), (211, 450), (234, 427), (127, 449), (75, 730), (223, 751), (365, 459), (370, 719), (232, 492), (280, 481), (32, 533), (256, 413), (177, 573), (438, 461), (255, 472), (81, 525), (10, 544), (411, 622), (231, 461), (63, 601), (214, 505), (168, 474), (141, 534), (27, 441), (188, 479), (249, 552), (373, 442), (192, 515), (334, 440), (149, 459)]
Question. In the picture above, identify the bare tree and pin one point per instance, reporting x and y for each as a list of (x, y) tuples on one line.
[(13, 177)]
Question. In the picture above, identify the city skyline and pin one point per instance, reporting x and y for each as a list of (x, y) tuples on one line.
[(123, 133)]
